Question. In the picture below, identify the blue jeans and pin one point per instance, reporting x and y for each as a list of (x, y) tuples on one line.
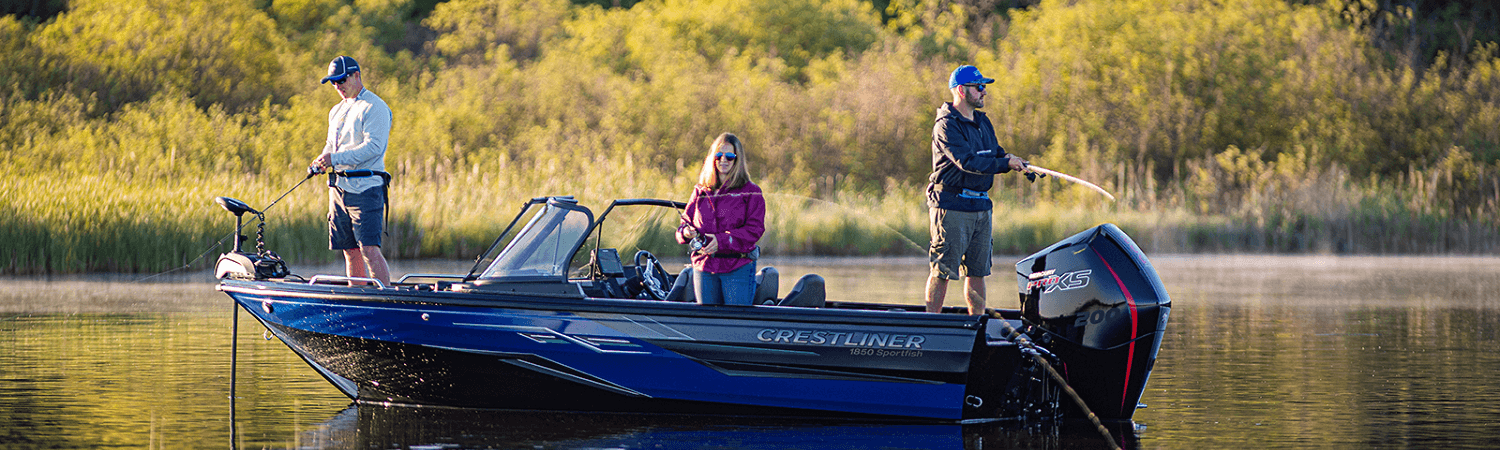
[(733, 288)]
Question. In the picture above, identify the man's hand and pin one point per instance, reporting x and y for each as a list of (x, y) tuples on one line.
[(323, 161), (1018, 164)]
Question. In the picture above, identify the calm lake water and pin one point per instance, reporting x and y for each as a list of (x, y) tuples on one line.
[(1266, 352)]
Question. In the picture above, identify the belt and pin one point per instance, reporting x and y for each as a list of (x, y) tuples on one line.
[(752, 255), (961, 191), (333, 175)]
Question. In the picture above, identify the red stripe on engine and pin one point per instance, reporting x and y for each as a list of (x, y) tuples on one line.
[(1124, 390)]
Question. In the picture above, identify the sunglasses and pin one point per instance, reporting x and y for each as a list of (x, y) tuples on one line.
[(978, 87), (725, 156), (341, 82)]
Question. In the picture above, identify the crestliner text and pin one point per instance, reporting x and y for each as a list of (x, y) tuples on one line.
[(841, 338)]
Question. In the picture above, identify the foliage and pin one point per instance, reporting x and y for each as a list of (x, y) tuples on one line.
[(1253, 125), (222, 54)]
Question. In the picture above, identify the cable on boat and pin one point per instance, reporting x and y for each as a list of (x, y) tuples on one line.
[(236, 232), (1035, 352)]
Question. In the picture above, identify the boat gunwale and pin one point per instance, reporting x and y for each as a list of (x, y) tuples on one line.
[(608, 305)]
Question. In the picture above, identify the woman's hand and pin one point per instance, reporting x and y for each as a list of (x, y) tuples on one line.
[(712, 246), (689, 232)]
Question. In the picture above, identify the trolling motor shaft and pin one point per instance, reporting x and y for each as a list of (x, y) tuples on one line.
[(238, 208)]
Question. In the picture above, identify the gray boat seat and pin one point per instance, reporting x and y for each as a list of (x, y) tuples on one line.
[(767, 283), (682, 287), (809, 292)]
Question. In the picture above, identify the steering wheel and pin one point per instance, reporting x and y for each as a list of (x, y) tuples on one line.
[(653, 278)]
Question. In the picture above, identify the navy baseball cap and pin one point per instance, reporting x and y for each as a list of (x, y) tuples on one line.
[(964, 75), (340, 69)]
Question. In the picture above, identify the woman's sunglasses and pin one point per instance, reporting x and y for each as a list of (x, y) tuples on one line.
[(725, 156)]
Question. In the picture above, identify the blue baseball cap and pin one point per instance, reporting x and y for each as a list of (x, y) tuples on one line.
[(340, 69), (967, 75)]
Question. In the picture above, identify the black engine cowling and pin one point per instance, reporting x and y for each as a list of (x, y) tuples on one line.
[(1094, 299)]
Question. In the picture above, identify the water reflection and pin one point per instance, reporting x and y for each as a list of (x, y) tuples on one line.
[(373, 426)]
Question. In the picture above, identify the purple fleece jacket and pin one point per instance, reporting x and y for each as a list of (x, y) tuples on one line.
[(737, 217)]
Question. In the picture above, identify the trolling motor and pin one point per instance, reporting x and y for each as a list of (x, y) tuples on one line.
[(261, 265)]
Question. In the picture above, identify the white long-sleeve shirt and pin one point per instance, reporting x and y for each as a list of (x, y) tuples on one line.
[(358, 129)]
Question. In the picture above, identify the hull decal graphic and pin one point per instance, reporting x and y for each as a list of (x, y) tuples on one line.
[(777, 371), (559, 370), (590, 381), (545, 335), (661, 330), (737, 349)]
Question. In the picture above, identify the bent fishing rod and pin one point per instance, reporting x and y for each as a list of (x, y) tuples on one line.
[(1045, 171)]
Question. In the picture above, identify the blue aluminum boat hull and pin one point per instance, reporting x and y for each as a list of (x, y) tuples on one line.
[(497, 351)]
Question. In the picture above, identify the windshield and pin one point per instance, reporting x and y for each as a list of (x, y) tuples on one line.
[(632, 227), (544, 246)]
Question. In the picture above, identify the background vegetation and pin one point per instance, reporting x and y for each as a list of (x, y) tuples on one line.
[(1341, 126)]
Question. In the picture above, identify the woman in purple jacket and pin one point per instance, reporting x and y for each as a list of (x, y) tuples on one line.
[(725, 216)]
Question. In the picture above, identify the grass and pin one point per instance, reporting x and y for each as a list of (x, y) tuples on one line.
[(107, 223)]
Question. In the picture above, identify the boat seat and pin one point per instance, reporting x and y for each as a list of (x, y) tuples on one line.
[(809, 292), (682, 287), (767, 283)]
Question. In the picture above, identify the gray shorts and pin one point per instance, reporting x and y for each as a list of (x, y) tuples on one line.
[(355, 220), (959, 239)]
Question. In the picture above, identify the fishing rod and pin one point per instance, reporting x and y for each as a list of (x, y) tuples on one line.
[(1045, 171), (1035, 351), (311, 172), (698, 241)]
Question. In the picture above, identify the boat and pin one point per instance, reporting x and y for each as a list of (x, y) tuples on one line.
[(551, 317)]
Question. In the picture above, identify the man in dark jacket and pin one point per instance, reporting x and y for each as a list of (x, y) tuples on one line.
[(966, 155)]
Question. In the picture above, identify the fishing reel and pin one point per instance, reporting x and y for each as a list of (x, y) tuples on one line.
[(1032, 176), (696, 244), (261, 265)]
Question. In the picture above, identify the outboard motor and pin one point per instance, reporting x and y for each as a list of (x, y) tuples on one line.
[(261, 265), (1094, 299)]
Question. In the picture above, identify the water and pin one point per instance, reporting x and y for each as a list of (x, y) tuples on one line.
[(1269, 352)]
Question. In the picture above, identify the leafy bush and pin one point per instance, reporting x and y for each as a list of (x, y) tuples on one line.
[(1253, 126)]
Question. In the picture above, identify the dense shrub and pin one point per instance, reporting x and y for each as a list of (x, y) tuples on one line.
[(1276, 126)]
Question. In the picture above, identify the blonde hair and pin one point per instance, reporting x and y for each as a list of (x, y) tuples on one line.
[(739, 175)]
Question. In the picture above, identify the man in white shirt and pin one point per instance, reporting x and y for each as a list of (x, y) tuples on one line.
[(354, 155)]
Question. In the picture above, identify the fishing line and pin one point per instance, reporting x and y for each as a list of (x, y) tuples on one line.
[(1035, 353), (920, 249), (236, 232)]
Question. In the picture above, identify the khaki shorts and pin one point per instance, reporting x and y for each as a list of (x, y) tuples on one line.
[(959, 239)]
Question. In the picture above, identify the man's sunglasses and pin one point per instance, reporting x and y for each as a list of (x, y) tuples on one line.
[(341, 82), (979, 87), (725, 156)]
